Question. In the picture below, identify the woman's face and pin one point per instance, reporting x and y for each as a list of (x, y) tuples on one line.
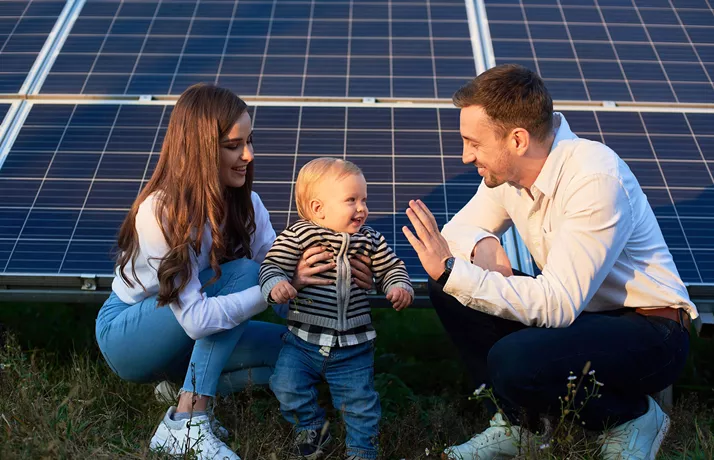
[(236, 151)]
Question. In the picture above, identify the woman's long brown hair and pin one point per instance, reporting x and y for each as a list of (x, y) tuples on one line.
[(190, 194)]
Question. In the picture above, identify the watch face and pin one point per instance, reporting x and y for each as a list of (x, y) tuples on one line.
[(450, 263)]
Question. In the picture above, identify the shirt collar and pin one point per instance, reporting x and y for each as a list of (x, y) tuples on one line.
[(550, 173)]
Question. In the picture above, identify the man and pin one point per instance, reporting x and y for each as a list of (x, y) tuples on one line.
[(609, 292)]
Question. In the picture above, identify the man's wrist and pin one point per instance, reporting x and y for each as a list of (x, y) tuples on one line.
[(448, 267)]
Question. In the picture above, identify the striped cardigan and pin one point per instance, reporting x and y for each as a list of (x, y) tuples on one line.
[(341, 305)]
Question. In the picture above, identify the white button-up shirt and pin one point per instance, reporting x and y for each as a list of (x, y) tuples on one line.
[(590, 230)]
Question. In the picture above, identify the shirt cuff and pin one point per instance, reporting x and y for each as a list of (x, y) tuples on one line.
[(268, 286), (463, 280), (406, 286)]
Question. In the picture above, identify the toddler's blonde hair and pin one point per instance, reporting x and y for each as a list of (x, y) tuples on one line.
[(315, 171)]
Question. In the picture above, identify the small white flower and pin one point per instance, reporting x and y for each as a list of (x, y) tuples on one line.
[(572, 377), (600, 384), (426, 451), (478, 390), (591, 372), (544, 446)]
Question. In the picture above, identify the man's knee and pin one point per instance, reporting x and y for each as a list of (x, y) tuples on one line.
[(512, 368)]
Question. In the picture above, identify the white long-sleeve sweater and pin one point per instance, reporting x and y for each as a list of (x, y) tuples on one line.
[(199, 315)]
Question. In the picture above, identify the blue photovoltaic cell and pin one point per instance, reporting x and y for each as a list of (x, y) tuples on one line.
[(620, 50), (3, 111), (269, 48), (74, 171), (24, 27)]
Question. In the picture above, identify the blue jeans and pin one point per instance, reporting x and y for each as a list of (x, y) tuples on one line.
[(349, 371), (144, 343)]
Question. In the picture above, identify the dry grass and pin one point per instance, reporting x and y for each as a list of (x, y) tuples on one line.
[(78, 409)]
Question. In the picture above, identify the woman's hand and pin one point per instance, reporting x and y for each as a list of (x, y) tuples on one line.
[(305, 271), (362, 271)]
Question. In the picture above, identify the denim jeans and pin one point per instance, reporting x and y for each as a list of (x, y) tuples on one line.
[(349, 372), (527, 367), (144, 343)]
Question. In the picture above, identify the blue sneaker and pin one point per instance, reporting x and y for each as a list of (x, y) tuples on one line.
[(638, 439)]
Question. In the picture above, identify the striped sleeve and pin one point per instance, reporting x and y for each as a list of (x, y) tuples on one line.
[(280, 262), (388, 269)]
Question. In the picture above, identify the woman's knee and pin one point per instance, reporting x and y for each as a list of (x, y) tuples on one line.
[(236, 275), (242, 267)]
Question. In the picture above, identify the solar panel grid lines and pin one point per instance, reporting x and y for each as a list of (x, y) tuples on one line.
[(74, 170), (24, 29), (613, 50), (419, 49)]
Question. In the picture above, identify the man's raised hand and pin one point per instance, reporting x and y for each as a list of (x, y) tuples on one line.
[(428, 243)]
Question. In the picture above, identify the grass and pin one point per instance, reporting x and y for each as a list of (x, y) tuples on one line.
[(58, 399)]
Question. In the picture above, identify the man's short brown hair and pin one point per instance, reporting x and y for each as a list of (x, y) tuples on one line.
[(513, 97)]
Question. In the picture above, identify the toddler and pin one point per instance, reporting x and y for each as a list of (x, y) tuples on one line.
[(331, 336)]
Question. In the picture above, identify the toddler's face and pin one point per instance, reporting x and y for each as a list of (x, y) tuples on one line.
[(344, 203)]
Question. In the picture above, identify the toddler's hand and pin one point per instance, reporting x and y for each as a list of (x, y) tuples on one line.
[(400, 298), (282, 292)]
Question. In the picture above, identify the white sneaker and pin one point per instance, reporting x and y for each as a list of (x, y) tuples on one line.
[(166, 393), (640, 438), (499, 441), (175, 437)]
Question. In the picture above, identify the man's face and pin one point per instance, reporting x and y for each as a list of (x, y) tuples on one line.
[(485, 148)]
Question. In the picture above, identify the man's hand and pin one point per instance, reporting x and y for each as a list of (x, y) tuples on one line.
[(282, 292), (428, 243), (400, 298), (490, 255), (361, 267), (304, 272)]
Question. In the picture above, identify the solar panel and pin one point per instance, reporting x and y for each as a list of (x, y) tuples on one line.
[(419, 49), (74, 171), (618, 50), (24, 27)]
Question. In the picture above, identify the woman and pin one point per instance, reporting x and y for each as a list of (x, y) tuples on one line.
[(186, 280)]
